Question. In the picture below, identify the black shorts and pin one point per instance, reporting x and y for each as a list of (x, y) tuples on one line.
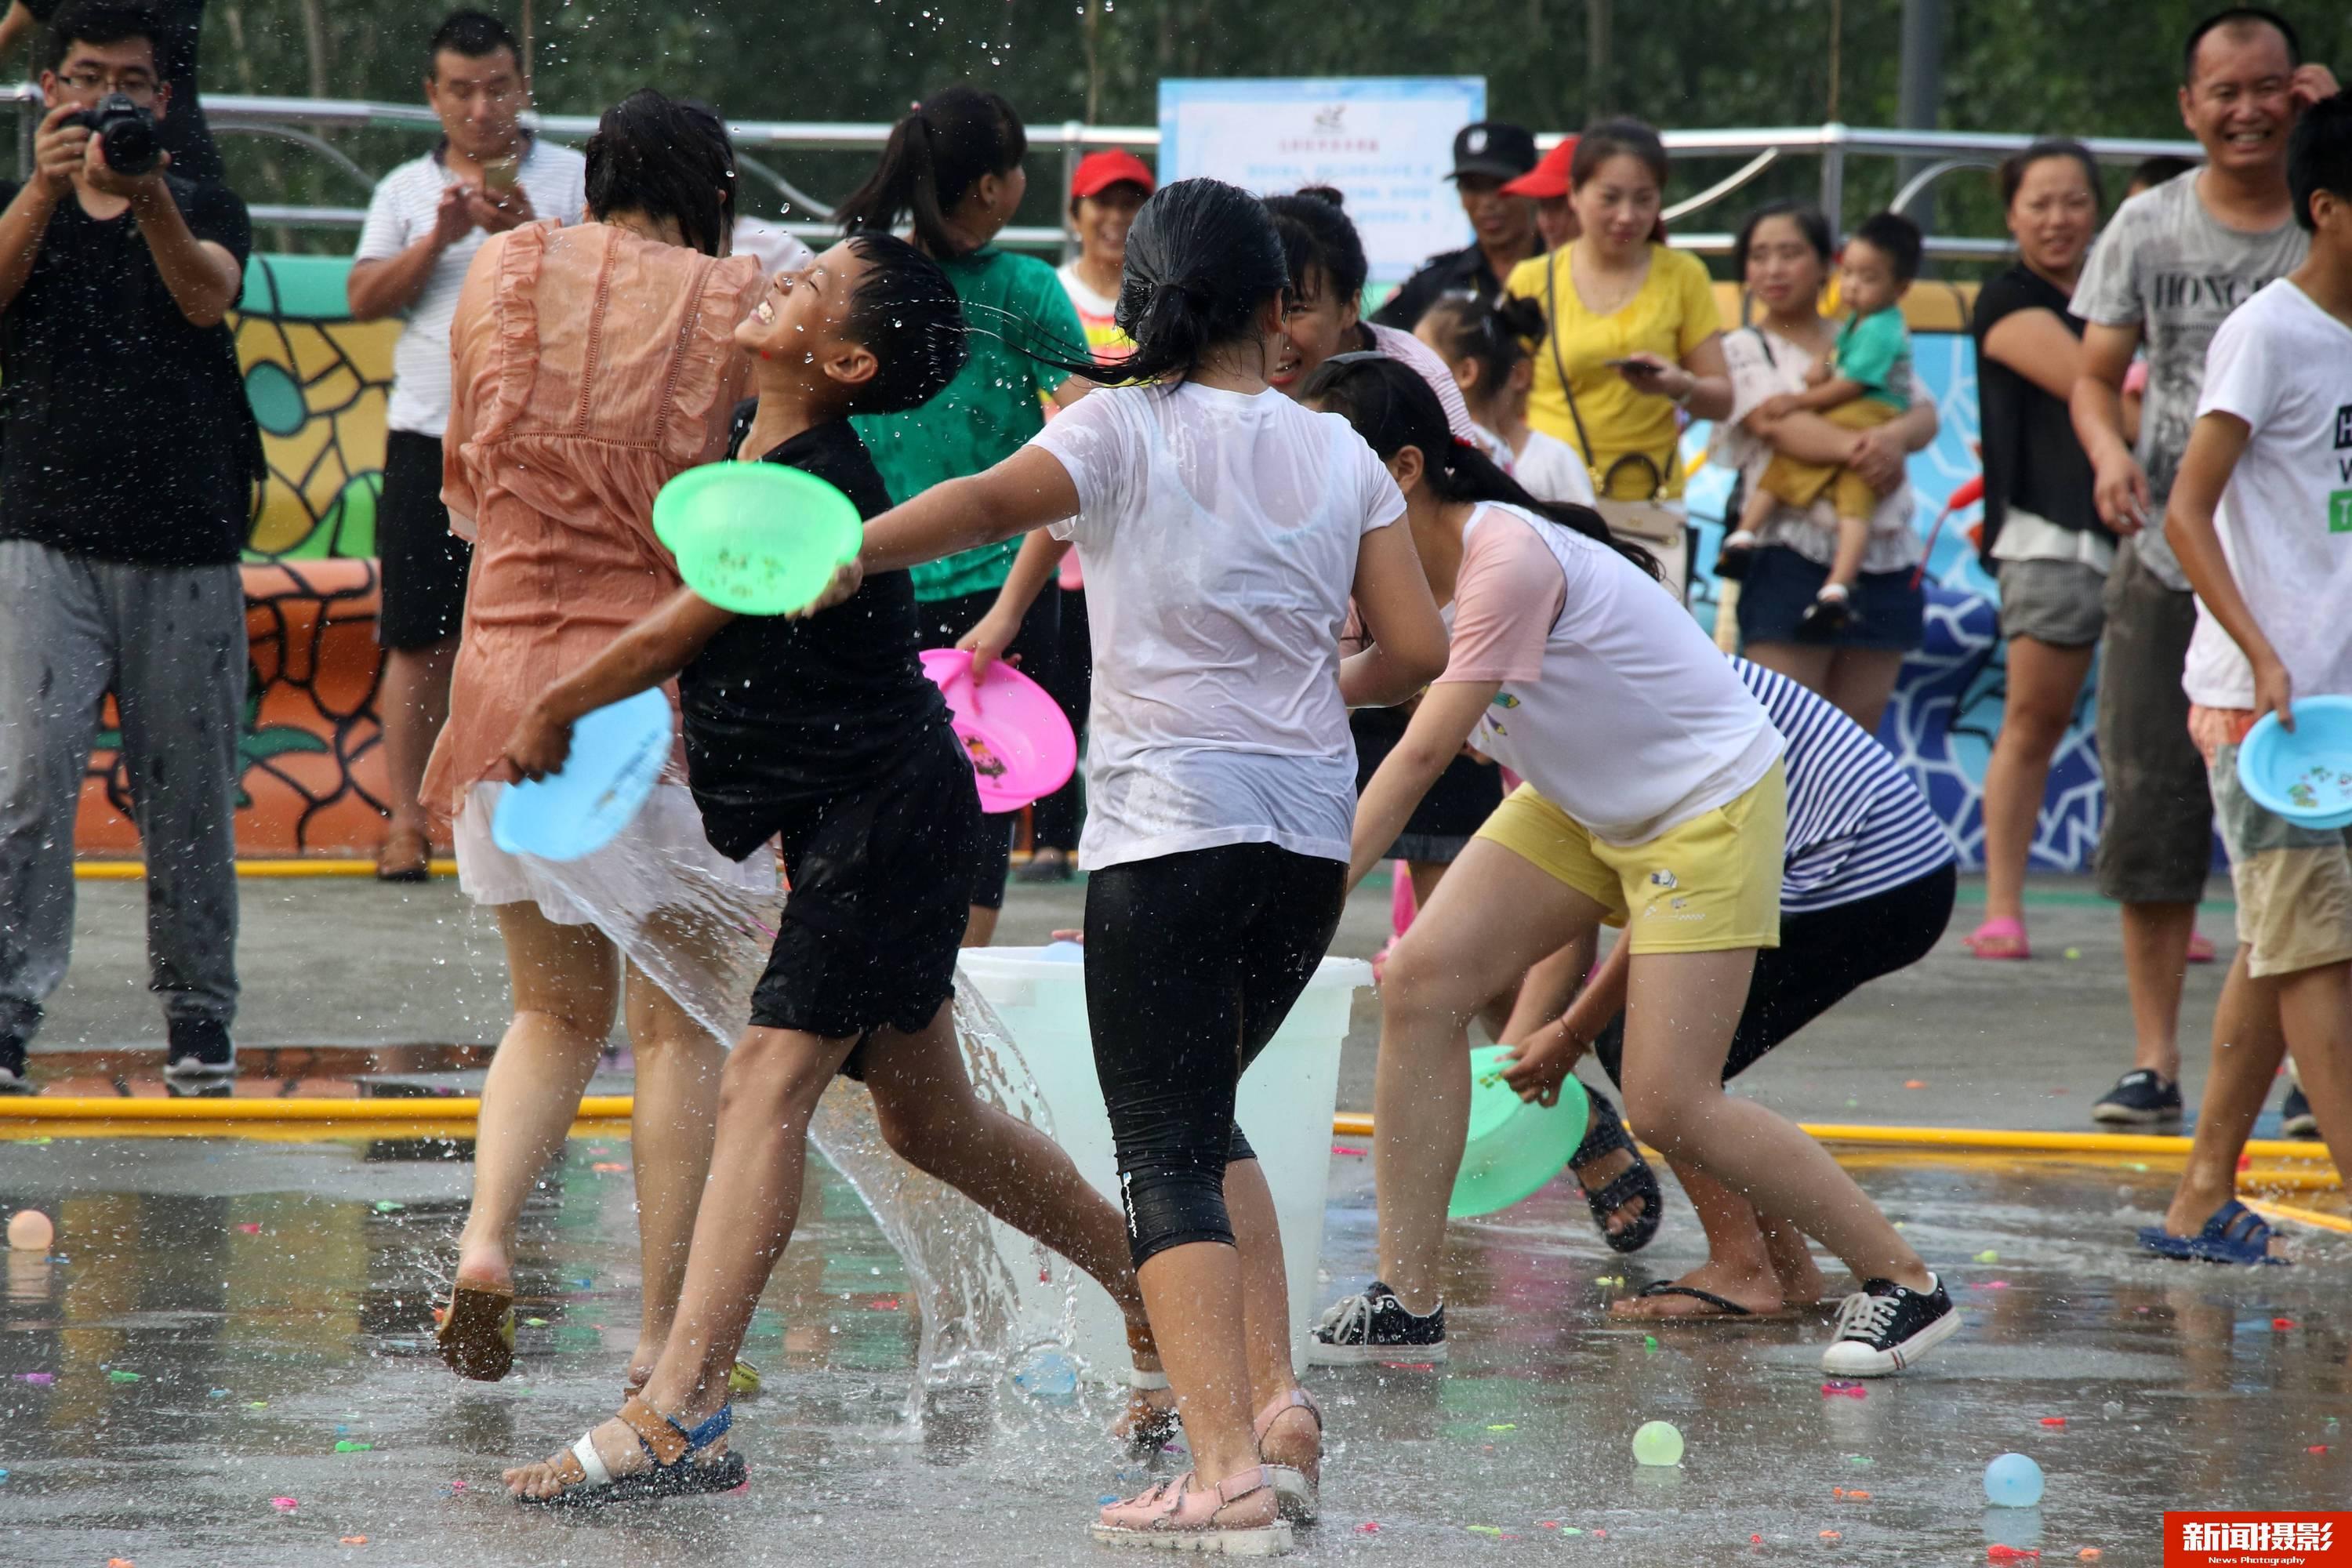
[(881, 889), (423, 564), (945, 620), (1824, 956), (1890, 614), (1456, 805)]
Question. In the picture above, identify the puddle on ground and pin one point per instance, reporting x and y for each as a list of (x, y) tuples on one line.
[(226, 1322)]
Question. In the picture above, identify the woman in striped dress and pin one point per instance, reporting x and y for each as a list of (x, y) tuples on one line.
[(1865, 889)]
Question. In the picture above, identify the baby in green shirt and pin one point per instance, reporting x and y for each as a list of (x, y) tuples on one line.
[(1865, 383)]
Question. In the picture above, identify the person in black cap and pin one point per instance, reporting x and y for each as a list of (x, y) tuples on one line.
[(1484, 157)]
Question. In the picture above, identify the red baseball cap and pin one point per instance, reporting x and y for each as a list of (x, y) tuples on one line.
[(1097, 172), (1548, 179)]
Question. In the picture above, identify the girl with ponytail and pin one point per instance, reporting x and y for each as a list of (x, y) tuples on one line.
[(1655, 800), (951, 175), (1487, 346), (1223, 529)]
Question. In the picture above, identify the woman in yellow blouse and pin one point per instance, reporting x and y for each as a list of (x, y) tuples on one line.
[(1634, 338)]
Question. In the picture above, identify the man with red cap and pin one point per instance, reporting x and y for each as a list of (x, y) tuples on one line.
[(1488, 157)]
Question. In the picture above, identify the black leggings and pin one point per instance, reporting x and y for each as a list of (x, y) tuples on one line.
[(1824, 956), (1193, 962)]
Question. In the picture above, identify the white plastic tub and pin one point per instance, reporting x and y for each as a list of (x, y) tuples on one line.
[(1284, 1109)]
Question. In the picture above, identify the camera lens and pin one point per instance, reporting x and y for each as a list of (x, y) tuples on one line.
[(130, 146), (126, 131)]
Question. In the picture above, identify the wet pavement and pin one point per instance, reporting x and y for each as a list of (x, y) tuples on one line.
[(227, 1322)]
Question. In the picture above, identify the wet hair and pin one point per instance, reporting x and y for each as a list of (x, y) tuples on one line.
[(1392, 407), (665, 158), (952, 141), (1897, 239), (2013, 167), (2150, 173), (472, 34), (2319, 157), (906, 312), (1809, 221), (96, 21), (1202, 258), (2237, 21), (1624, 137), (1318, 235), (1496, 337)]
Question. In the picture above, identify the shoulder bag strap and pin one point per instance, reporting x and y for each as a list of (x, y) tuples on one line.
[(1603, 478), (1559, 365)]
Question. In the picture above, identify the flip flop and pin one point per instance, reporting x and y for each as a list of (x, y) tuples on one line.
[(1607, 1134), (1725, 1309), (1999, 939), (2234, 1234), (2201, 947), (477, 1333), (407, 856)]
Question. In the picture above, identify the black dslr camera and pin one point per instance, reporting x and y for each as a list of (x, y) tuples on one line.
[(126, 131)]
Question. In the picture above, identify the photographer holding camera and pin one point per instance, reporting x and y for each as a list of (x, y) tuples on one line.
[(125, 489), (179, 25)]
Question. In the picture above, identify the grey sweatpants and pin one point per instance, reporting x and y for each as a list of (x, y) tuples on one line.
[(170, 642)]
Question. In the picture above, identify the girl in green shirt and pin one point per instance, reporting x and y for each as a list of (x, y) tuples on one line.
[(951, 172)]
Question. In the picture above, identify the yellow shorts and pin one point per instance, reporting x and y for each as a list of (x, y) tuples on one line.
[(1710, 885)]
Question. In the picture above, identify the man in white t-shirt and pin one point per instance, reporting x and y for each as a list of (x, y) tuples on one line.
[(427, 218), (2261, 518), (2171, 266)]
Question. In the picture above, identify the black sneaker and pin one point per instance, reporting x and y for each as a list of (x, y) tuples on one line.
[(15, 1076), (1883, 1327), (2295, 1119), (2140, 1097), (200, 1047), (1373, 1327)]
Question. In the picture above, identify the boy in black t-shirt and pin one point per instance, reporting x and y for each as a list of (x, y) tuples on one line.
[(822, 732), (125, 486)]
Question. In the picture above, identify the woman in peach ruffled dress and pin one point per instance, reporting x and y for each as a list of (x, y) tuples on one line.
[(590, 365)]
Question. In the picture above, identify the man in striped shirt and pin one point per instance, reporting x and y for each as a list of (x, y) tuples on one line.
[(1866, 889)]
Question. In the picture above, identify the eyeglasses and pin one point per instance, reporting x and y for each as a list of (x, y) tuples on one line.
[(135, 83)]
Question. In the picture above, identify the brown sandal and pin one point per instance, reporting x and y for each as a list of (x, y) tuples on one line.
[(477, 1333), (407, 856)]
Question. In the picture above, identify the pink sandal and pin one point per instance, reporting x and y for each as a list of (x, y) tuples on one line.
[(1239, 1517), (2201, 947), (2003, 937), (1297, 1491)]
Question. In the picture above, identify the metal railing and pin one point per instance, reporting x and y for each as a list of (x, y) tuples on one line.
[(304, 123)]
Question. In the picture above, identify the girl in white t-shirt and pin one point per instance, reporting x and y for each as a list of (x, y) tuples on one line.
[(1486, 347), (1654, 801), (1223, 529)]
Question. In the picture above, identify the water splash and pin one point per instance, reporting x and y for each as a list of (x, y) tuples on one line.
[(703, 936)]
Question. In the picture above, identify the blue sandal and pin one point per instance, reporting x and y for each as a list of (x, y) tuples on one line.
[(587, 1482), (2235, 1233), (1606, 1135)]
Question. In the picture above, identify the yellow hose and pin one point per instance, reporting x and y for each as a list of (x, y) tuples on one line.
[(131, 870), (2308, 1168), (454, 1108)]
